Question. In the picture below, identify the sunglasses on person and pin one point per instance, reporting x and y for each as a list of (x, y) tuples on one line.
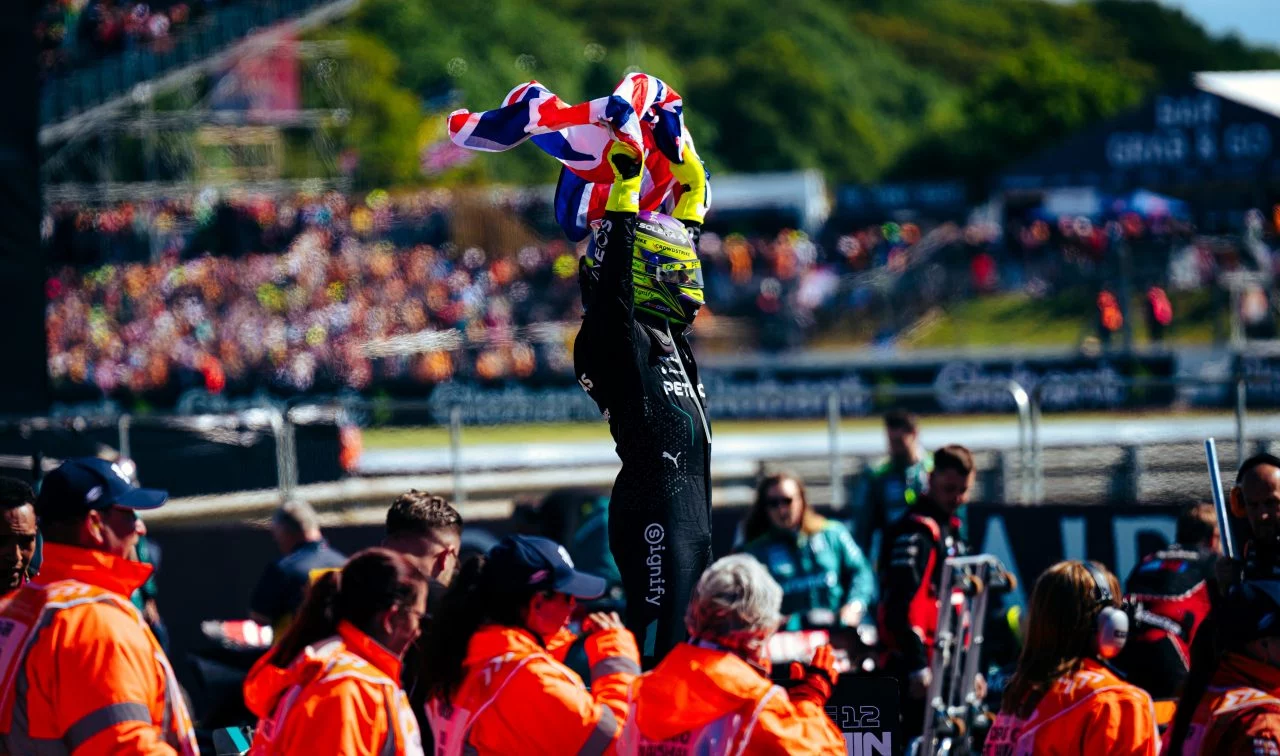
[(775, 502)]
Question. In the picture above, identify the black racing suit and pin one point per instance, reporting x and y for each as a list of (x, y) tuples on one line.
[(911, 561), (1169, 595), (642, 375)]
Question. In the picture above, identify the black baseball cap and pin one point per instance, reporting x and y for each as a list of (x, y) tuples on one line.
[(88, 483), (543, 563)]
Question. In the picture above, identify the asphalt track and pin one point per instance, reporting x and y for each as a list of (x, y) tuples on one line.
[(736, 447)]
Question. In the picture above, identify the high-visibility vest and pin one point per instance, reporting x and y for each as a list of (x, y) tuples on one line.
[(33, 609), (727, 735), (1217, 704), (402, 737), (451, 723)]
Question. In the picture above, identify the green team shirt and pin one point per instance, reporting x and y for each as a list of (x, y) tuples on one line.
[(883, 494), (825, 570)]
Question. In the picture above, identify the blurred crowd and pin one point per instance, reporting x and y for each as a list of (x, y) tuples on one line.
[(302, 318), (323, 291), (71, 33)]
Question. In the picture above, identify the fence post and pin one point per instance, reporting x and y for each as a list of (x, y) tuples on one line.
[(455, 455), (833, 450), (1037, 447), (122, 430), (1023, 403), (1242, 410), (286, 453)]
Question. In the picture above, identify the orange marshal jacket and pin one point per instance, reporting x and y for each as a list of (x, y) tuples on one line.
[(1090, 712), (340, 696), (81, 673), (706, 700), (518, 697), (1240, 713)]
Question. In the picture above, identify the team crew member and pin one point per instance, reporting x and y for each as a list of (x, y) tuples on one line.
[(714, 692), (825, 578), (1170, 595), (495, 678), (17, 533), (80, 671), (1255, 498), (910, 575), (642, 287), (283, 585), (885, 491), (332, 683), (1232, 699), (1063, 699), (426, 528)]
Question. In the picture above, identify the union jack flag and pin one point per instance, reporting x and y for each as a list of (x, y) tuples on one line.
[(643, 111)]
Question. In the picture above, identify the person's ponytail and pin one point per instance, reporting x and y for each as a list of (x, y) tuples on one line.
[(314, 620), (462, 610)]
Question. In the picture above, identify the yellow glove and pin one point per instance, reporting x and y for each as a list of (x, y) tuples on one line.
[(626, 162), (693, 179)]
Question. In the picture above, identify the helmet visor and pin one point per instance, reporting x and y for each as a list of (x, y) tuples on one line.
[(683, 274)]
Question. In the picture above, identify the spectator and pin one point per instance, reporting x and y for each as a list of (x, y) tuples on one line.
[(1169, 594), (494, 675), (910, 573), (17, 533), (825, 578), (426, 528), (1110, 316), (1063, 698), (895, 483), (1159, 313), (85, 674), (331, 684), (296, 530), (1231, 701), (713, 693)]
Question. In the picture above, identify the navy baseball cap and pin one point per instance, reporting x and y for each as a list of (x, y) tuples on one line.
[(543, 563), (88, 483)]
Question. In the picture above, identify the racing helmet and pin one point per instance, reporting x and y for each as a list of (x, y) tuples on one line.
[(665, 270)]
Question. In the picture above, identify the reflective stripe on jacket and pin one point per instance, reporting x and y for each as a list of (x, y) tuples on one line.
[(518, 698), (709, 702), (80, 673), (1240, 713), (1090, 712), (341, 695)]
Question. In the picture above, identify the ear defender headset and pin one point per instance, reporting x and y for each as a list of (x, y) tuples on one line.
[(1111, 627)]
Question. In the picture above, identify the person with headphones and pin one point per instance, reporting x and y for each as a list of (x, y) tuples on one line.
[(1064, 699), (642, 287), (1255, 500)]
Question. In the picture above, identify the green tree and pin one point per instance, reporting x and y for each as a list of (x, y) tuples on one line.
[(1038, 97)]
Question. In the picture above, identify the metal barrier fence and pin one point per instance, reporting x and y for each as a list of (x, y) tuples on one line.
[(1022, 456)]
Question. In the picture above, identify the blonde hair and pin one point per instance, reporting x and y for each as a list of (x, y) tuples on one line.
[(735, 601), (1060, 632)]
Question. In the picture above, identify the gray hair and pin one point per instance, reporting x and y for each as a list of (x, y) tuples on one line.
[(736, 596), (297, 517)]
